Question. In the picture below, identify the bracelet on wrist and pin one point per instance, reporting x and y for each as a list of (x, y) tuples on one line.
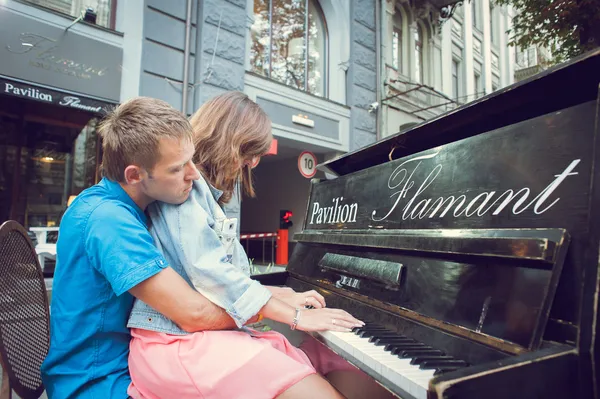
[(296, 320)]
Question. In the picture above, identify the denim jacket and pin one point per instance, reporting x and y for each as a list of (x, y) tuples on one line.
[(200, 244)]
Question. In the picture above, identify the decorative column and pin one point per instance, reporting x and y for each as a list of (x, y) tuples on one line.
[(469, 81), (446, 58), (487, 46), (436, 64)]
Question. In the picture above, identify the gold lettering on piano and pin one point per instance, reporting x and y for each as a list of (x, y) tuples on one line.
[(402, 181)]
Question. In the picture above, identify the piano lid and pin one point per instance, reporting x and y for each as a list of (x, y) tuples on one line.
[(560, 87)]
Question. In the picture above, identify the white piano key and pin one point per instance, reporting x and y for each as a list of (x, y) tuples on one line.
[(381, 364)]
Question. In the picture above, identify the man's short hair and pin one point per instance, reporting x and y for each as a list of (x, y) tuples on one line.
[(131, 134)]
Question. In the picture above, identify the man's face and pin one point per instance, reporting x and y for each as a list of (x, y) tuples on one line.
[(171, 178)]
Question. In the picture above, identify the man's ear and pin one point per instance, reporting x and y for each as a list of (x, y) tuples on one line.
[(133, 174)]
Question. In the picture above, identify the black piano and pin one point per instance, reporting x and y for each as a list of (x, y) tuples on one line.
[(470, 246)]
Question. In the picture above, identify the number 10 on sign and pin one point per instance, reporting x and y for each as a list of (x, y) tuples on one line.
[(307, 164)]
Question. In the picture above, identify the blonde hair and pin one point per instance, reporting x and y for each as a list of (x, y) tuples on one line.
[(229, 129), (131, 134)]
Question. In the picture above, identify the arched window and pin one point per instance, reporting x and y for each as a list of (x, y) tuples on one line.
[(419, 65), (289, 43)]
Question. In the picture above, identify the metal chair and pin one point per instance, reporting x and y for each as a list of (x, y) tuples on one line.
[(24, 314)]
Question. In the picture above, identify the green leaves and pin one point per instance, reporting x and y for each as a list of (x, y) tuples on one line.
[(567, 27)]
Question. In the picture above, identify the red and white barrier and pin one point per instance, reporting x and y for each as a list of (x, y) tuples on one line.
[(257, 235)]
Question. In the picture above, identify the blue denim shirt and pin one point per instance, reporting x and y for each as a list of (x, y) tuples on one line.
[(200, 243)]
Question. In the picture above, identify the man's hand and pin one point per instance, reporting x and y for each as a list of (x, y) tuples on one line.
[(168, 293)]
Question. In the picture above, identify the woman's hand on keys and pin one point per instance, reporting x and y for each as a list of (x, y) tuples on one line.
[(327, 319)]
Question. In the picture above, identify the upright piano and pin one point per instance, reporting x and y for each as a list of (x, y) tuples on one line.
[(470, 246)]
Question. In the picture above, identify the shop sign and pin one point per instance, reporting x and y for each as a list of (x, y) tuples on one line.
[(35, 51), (69, 100)]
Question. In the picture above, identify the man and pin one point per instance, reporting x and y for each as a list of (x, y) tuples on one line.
[(106, 256)]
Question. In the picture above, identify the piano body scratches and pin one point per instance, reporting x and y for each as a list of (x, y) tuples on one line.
[(401, 180)]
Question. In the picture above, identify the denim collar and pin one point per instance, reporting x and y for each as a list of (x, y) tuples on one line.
[(216, 193), (116, 190)]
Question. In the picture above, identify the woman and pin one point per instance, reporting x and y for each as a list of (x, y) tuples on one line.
[(199, 241)]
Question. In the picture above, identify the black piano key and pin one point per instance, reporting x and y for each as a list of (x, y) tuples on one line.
[(372, 324), (410, 353), (383, 336), (383, 333), (397, 348), (368, 334), (365, 334), (441, 370), (397, 340), (372, 330), (420, 359), (435, 364)]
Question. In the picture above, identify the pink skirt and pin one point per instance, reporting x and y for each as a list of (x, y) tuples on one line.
[(213, 364)]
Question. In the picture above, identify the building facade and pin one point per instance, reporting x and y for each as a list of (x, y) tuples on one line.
[(56, 82), (333, 75), (434, 64)]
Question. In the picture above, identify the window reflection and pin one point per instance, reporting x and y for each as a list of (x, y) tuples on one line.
[(289, 43), (75, 8), (419, 54), (316, 51), (261, 40), (288, 46), (41, 166)]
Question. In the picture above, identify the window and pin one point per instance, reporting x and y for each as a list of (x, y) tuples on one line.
[(478, 88), (455, 79), (42, 166), (397, 48), (397, 39), (289, 41), (493, 28), (531, 56), (459, 12), (475, 13), (419, 66), (104, 9), (526, 58)]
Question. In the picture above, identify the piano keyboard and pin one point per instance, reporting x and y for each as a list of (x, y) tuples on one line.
[(390, 358)]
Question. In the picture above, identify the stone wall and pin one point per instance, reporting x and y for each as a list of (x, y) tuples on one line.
[(221, 42), (362, 83)]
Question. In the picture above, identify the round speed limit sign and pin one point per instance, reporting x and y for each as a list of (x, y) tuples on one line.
[(307, 164)]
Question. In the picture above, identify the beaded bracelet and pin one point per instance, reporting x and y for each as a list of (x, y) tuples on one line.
[(296, 320)]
